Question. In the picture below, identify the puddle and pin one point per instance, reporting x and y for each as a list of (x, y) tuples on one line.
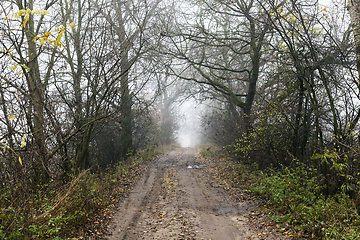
[(196, 166)]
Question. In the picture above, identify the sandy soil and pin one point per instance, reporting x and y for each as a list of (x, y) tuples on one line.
[(177, 199)]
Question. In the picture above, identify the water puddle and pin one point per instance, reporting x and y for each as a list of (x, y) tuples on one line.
[(196, 166)]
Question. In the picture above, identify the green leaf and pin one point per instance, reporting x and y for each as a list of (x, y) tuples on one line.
[(26, 67)]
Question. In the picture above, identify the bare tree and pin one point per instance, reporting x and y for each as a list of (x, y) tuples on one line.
[(222, 47), (354, 10)]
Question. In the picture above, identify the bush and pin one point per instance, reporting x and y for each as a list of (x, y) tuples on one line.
[(266, 145), (298, 200)]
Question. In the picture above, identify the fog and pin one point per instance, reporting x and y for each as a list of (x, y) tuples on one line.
[(189, 133)]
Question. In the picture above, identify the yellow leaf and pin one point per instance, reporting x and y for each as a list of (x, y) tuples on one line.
[(14, 67), (60, 28), (72, 24), (324, 9), (20, 13), (20, 160), (46, 34), (23, 143), (12, 117), (39, 11)]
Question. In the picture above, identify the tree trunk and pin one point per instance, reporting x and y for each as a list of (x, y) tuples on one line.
[(354, 10), (126, 113), (36, 106), (295, 142), (125, 108)]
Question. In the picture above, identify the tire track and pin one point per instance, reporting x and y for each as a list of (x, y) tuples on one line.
[(177, 199), (139, 201)]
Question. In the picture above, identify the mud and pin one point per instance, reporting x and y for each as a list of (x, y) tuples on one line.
[(177, 199)]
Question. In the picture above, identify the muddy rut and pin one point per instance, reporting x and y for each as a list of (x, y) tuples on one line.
[(177, 199)]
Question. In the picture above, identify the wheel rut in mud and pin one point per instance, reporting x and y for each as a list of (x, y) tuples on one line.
[(177, 199)]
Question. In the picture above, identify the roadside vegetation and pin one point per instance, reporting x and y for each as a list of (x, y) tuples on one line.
[(292, 196), (78, 208)]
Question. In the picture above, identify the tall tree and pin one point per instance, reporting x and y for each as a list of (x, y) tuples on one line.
[(22, 47), (354, 10), (222, 48), (129, 22)]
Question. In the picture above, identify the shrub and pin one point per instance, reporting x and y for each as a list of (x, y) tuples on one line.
[(298, 200)]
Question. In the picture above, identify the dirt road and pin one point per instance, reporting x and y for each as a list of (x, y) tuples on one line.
[(177, 199)]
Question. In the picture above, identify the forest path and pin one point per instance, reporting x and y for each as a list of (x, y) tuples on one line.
[(177, 199)]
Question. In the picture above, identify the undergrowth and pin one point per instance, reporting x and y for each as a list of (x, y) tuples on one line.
[(294, 197), (298, 200), (61, 210)]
